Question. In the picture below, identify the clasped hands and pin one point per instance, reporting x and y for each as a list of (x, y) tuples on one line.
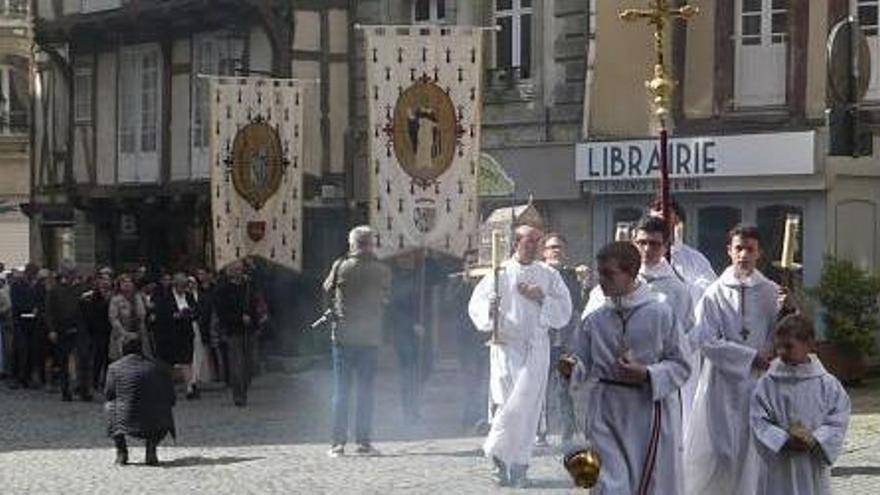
[(631, 370), (800, 438), (531, 292)]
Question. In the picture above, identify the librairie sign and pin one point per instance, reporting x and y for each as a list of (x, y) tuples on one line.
[(781, 153)]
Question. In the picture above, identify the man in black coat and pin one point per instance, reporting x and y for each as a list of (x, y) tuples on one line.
[(23, 295), (140, 395), (95, 307), (236, 305), (67, 330)]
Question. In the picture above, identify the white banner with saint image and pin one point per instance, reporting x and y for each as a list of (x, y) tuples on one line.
[(424, 91)]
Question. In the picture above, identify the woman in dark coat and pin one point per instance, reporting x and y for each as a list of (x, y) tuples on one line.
[(140, 395), (176, 310)]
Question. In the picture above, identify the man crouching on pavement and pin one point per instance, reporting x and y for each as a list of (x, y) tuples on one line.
[(358, 286), (140, 395)]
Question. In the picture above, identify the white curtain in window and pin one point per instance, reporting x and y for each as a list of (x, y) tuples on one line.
[(139, 113), (761, 36)]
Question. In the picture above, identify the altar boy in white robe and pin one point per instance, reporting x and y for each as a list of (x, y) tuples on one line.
[(532, 298), (631, 346), (799, 415), (733, 330)]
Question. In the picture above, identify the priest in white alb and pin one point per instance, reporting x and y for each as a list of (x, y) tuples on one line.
[(733, 331), (530, 298), (632, 348)]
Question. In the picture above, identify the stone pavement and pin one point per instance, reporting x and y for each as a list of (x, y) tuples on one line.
[(278, 445)]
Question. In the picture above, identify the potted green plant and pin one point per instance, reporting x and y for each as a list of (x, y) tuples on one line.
[(851, 313)]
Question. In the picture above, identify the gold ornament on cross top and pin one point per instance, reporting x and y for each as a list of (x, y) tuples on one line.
[(658, 15)]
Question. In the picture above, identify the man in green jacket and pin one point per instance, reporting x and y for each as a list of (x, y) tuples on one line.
[(358, 286)]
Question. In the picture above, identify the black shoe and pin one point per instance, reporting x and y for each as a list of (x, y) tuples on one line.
[(151, 458), (499, 472), (121, 457), (193, 393), (66, 396), (366, 449)]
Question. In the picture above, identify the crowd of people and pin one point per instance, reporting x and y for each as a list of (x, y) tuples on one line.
[(692, 383), (61, 330)]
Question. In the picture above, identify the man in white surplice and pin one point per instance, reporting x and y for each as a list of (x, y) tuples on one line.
[(733, 330), (632, 347), (532, 298)]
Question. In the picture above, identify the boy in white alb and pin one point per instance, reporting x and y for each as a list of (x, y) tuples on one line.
[(733, 331), (799, 416), (631, 346)]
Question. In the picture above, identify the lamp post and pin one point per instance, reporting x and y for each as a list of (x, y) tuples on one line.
[(661, 86)]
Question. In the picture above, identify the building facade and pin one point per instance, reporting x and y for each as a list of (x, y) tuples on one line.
[(120, 170), (750, 117), (121, 136), (15, 181)]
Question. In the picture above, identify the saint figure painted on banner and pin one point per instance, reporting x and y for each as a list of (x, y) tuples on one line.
[(424, 135)]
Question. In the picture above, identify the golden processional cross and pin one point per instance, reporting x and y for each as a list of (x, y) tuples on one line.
[(661, 86)]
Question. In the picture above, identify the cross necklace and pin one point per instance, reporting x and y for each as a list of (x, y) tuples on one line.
[(744, 332)]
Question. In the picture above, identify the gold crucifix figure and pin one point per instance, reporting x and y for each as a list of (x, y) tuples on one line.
[(658, 15)]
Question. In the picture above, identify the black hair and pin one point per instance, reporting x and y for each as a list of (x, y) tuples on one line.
[(131, 345), (654, 225), (627, 256), (796, 326), (555, 235), (657, 205), (745, 231)]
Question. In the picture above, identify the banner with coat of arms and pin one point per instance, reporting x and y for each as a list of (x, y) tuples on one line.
[(256, 170), (423, 87)]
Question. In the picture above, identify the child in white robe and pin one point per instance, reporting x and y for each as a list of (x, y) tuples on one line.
[(632, 347), (799, 416)]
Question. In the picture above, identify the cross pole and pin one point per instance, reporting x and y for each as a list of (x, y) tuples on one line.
[(661, 86)]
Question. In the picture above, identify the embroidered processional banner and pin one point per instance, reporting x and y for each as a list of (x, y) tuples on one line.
[(423, 88), (256, 170)]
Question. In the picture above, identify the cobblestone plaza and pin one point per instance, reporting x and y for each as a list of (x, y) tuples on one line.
[(279, 443)]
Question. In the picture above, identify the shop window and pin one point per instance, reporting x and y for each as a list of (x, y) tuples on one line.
[(624, 220), (760, 37), (513, 43), (771, 224), (713, 224), (428, 11)]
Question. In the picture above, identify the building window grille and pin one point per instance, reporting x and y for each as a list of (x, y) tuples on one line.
[(513, 42), (429, 11), (82, 99)]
